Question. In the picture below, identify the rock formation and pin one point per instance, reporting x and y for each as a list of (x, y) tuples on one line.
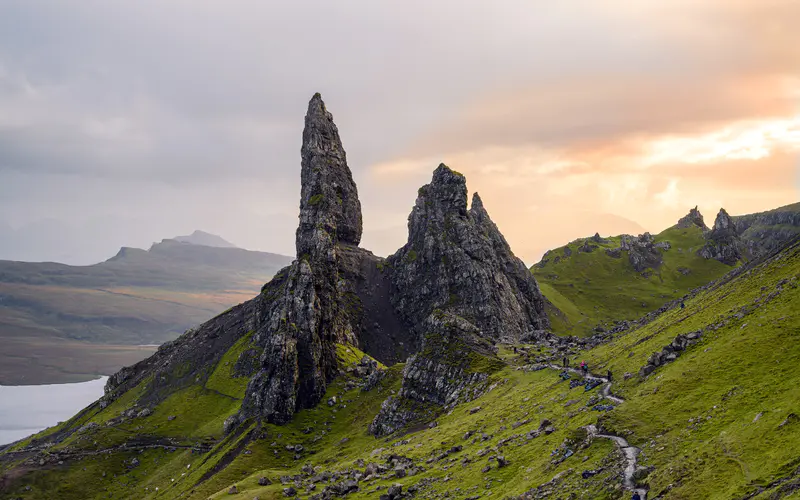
[(723, 242), (458, 287), (306, 319), (452, 367), (693, 218), (448, 294), (642, 251), (765, 232), (456, 259)]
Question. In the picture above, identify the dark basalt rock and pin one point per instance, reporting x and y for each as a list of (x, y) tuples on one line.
[(306, 319), (452, 367), (365, 294), (643, 253), (723, 242), (457, 259), (693, 218), (330, 211)]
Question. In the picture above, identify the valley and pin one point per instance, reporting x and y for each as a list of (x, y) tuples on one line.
[(64, 323)]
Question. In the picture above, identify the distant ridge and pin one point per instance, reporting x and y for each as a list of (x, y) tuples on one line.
[(206, 239)]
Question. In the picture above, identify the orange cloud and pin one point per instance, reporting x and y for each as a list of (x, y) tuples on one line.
[(712, 118)]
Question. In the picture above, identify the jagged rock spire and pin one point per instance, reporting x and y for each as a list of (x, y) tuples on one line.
[(330, 211), (722, 241), (457, 259), (304, 320), (693, 218)]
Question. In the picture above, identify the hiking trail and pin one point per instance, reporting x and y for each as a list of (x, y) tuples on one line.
[(631, 452)]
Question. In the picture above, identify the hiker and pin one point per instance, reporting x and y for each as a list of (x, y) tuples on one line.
[(683, 306), (515, 349), (585, 368), (609, 375), (636, 496), (566, 362)]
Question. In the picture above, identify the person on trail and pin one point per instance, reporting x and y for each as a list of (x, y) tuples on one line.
[(566, 362), (683, 306), (636, 496), (585, 368), (609, 375), (515, 349)]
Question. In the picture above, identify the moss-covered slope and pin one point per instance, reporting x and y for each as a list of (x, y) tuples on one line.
[(599, 287)]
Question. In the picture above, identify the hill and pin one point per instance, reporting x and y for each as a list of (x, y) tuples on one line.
[(595, 283), (307, 390), (207, 239), (63, 323)]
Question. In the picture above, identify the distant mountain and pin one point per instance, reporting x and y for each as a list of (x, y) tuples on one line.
[(206, 239), (52, 315)]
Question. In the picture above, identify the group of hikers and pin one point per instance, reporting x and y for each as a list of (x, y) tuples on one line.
[(584, 367)]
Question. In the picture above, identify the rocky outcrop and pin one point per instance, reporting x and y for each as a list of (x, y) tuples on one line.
[(459, 288), (199, 350), (723, 242), (452, 367), (306, 318), (670, 352), (642, 251), (764, 232), (330, 211), (451, 291), (456, 259), (693, 218)]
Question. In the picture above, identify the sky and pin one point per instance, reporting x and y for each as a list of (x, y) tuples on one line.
[(123, 123)]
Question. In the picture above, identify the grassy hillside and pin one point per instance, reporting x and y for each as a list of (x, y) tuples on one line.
[(719, 422), (594, 288), (52, 315)]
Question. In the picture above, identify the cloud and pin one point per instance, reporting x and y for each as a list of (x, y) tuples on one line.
[(190, 112)]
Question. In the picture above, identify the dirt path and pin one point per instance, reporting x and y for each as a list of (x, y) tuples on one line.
[(631, 452)]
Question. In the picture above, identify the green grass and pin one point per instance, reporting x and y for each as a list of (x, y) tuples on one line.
[(222, 379), (594, 288)]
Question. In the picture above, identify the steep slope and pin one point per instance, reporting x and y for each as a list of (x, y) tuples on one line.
[(717, 420), (766, 231), (52, 314), (593, 282), (596, 282)]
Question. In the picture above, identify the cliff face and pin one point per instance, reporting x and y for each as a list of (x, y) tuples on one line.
[(459, 288), (765, 232), (306, 320), (456, 259)]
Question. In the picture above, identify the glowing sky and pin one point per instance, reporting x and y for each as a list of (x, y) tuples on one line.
[(123, 123)]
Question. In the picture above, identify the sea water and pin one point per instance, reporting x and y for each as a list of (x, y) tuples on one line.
[(28, 409)]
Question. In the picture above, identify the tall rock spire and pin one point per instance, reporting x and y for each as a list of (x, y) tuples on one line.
[(330, 211), (305, 319)]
